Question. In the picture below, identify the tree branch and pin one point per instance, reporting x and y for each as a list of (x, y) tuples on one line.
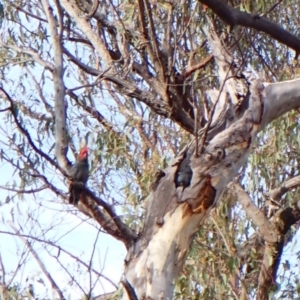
[(278, 192), (40, 263), (61, 138), (273, 232), (283, 220), (92, 111), (27, 135), (129, 290), (23, 191), (235, 17), (122, 232), (265, 227), (131, 90), (190, 70), (280, 98), (60, 249), (72, 9), (36, 57), (37, 85)]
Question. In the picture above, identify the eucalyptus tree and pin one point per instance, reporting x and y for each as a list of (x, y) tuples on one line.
[(171, 97)]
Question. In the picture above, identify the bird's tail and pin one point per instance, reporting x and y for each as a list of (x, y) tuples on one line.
[(74, 193)]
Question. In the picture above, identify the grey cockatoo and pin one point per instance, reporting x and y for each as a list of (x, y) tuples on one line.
[(79, 173)]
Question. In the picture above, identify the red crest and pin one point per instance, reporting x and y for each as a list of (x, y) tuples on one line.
[(83, 153)]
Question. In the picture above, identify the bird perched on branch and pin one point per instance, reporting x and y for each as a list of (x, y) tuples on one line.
[(79, 175)]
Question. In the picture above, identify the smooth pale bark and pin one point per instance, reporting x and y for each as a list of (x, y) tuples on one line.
[(155, 260), (61, 137)]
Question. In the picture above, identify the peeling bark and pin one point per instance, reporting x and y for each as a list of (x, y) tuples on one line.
[(175, 211), (175, 214), (155, 261)]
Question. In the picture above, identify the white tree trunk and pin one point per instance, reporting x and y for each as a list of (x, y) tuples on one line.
[(153, 263)]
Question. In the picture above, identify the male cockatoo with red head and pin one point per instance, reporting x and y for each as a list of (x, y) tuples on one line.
[(79, 173)]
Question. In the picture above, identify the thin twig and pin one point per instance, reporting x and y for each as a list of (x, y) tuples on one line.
[(60, 249), (212, 111), (39, 261), (27, 135), (24, 191), (271, 8), (91, 262)]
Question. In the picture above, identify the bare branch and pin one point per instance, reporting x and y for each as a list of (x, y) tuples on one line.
[(93, 10), (40, 263), (286, 186), (150, 99), (74, 279), (235, 17), (283, 220), (23, 191), (160, 68), (265, 227), (108, 218), (91, 262), (273, 231), (280, 98), (92, 111), (27, 13), (27, 135), (129, 290), (271, 8), (129, 89), (61, 139), (36, 174), (60, 249), (48, 107), (190, 70), (71, 7), (35, 56), (27, 111)]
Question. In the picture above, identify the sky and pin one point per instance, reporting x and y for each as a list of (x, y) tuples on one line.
[(70, 233), (68, 228)]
